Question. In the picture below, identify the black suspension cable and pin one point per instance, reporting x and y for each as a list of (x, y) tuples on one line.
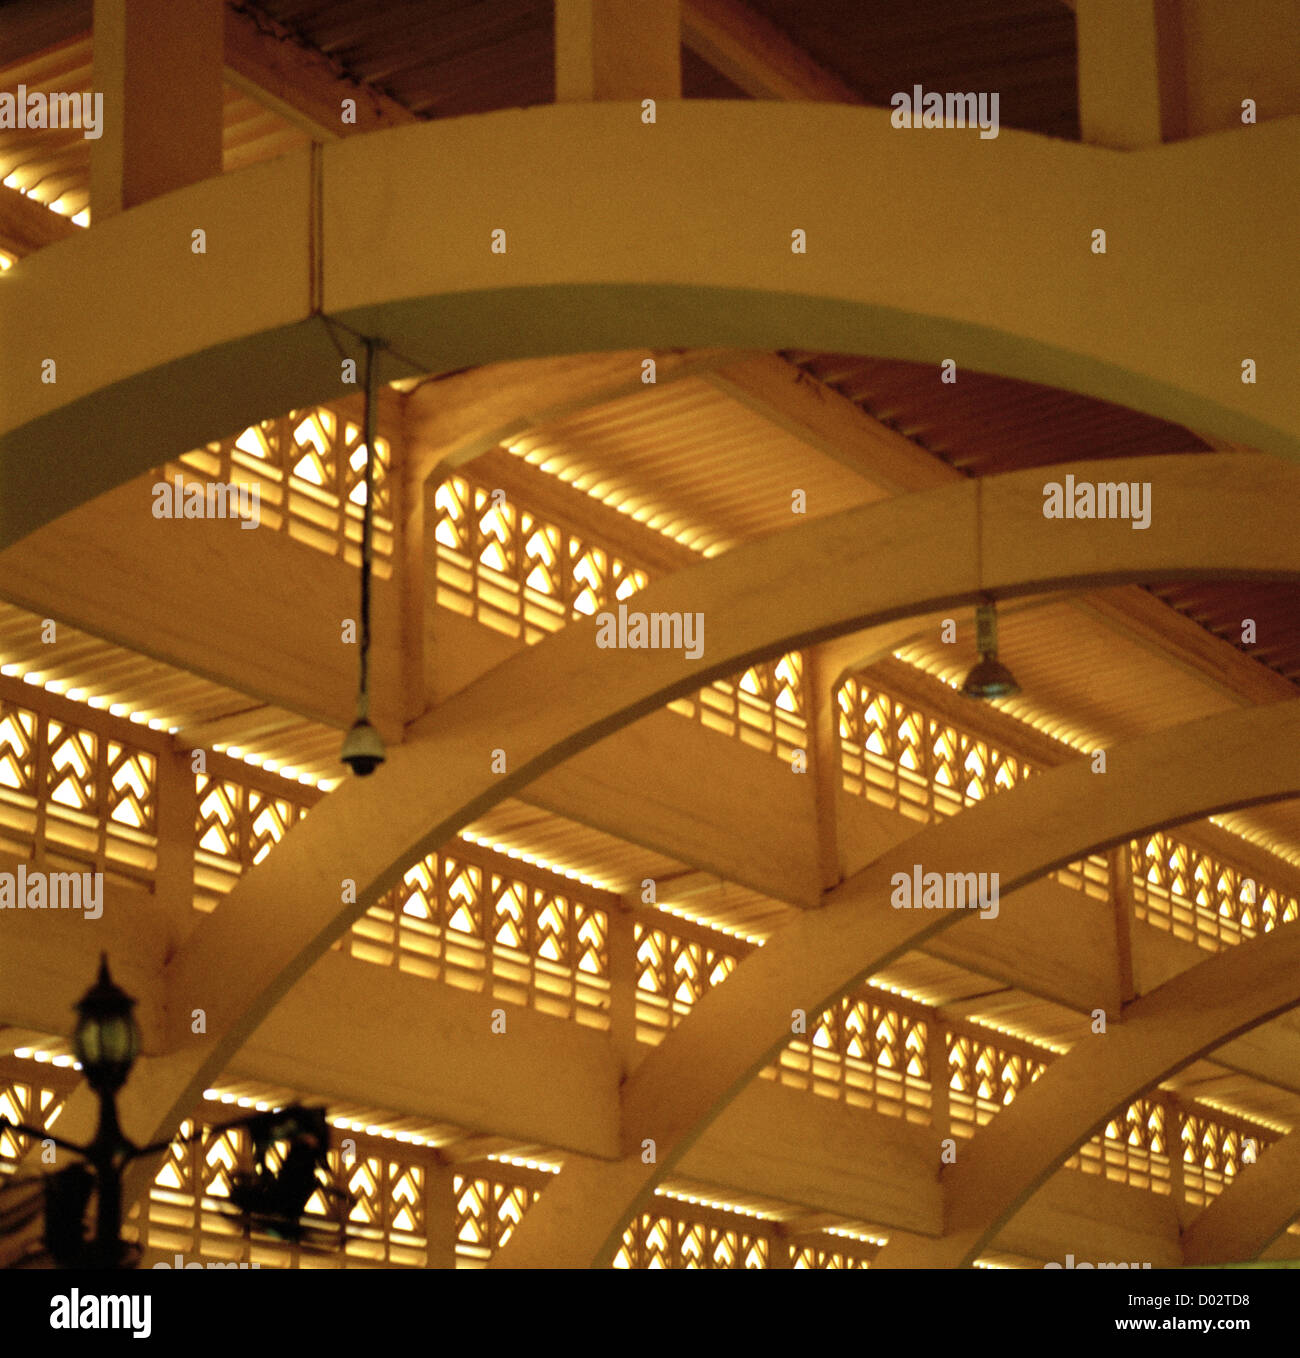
[(367, 528)]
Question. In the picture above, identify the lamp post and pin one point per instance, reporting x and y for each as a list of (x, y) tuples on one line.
[(107, 1041)]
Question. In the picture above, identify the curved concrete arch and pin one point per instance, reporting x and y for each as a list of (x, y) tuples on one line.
[(828, 577), (1245, 1219), (678, 234), (1165, 1030), (1166, 778)]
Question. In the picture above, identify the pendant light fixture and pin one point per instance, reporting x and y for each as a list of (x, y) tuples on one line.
[(990, 678), (363, 750)]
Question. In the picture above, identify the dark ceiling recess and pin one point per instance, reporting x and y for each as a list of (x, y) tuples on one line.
[(1022, 49), (985, 425), (441, 58), (1224, 608), (445, 58)]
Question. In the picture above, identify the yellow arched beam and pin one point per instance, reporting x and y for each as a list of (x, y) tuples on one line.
[(920, 245), (819, 580), (1162, 1032), (1172, 776), (1259, 1204)]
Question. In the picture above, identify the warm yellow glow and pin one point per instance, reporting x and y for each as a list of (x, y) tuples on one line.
[(509, 851), (521, 1163), (680, 912), (864, 1237), (718, 1204), (614, 499)]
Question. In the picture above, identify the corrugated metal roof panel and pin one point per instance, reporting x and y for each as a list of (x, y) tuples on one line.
[(704, 468)]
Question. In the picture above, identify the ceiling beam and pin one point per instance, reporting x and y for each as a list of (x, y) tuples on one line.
[(1174, 636), (755, 55), (301, 84), (452, 420), (26, 225), (813, 411)]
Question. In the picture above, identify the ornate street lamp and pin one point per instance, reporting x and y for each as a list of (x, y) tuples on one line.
[(107, 1037), (107, 1041)]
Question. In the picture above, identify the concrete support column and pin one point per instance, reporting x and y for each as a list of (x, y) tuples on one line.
[(409, 506), (823, 716), (780, 1250), (622, 986), (617, 49), (177, 817), (158, 66), (1131, 72), (940, 1104), (1185, 1213), (1122, 902), (440, 1216)]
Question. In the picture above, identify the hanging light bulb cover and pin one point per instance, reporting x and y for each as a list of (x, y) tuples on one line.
[(363, 749), (990, 678)]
